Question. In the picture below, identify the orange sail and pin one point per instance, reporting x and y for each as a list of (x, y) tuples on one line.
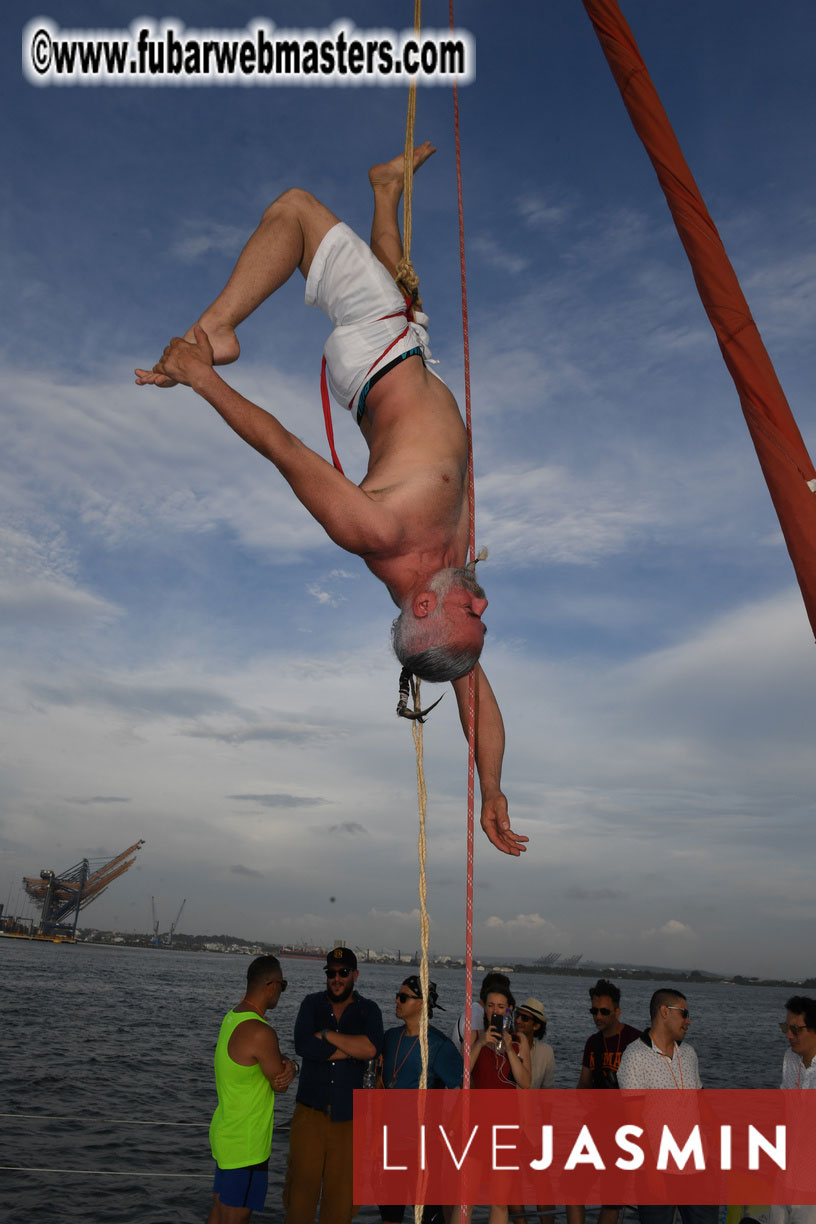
[(782, 454)]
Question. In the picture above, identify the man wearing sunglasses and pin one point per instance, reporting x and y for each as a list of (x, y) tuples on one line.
[(402, 1065), (602, 1057), (604, 1049), (249, 1070), (798, 1071), (799, 1026), (659, 1060), (401, 1060), (337, 1032), (663, 1059)]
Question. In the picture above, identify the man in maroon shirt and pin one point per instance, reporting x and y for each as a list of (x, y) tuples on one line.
[(602, 1055)]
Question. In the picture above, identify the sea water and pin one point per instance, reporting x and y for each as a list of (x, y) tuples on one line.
[(106, 1083)]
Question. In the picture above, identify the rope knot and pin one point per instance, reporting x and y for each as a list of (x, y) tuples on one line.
[(407, 279)]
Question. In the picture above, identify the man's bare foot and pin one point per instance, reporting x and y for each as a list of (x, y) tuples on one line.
[(225, 346), (389, 175), (223, 339)]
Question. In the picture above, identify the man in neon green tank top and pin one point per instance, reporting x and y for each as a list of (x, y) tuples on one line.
[(249, 1070)]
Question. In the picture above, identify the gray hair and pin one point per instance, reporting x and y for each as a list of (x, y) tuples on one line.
[(436, 663), (444, 660)]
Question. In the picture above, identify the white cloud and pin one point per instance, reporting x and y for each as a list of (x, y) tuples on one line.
[(288, 802), (51, 605), (542, 514), (199, 238), (540, 211), (324, 597), (521, 922), (673, 929), (128, 464), (497, 256), (38, 578), (403, 916)]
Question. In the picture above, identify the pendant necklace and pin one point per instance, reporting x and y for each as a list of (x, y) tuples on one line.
[(406, 1056)]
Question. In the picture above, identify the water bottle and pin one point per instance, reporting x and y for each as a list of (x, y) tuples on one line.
[(370, 1073)]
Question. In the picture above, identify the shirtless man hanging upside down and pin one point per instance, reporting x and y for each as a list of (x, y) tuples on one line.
[(408, 519)]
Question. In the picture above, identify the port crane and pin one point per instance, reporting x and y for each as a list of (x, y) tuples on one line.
[(63, 896), (173, 925), (167, 941)]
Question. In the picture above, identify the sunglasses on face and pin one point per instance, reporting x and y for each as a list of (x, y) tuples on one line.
[(282, 982), (684, 1011), (600, 1011), (403, 997), (341, 973), (794, 1029)]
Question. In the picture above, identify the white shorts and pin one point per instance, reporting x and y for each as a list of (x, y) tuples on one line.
[(348, 283)]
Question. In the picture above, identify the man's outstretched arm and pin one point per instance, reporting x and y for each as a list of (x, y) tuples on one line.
[(346, 513), (489, 756)]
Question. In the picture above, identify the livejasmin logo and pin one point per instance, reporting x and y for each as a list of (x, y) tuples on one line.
[(671, 1154), (574, 1147)]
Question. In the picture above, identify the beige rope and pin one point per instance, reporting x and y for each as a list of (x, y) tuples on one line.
[(405, 275), (424, 923)]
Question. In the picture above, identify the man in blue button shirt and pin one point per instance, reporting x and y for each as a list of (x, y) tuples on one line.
[(336, 1032)]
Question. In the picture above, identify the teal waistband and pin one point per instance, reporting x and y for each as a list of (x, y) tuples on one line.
[(414, 352)]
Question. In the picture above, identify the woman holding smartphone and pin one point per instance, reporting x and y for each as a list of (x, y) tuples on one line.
[(499, 1057)]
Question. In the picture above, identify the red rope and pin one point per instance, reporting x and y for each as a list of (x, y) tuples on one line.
[(472, 677), (472, 540), (408, 314), (327, 417)]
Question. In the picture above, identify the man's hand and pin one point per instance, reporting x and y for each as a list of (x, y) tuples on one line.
[(148, 378), (489, 754), (180, 362), (337, 1054), (282, 1081), (496, 824)]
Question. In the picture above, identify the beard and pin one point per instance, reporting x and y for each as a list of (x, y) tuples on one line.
[(346, 992)]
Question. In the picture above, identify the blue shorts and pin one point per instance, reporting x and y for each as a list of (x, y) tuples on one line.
[(242, 1187)]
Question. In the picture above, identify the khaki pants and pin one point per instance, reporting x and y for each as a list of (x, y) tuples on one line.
[(320, 1156)]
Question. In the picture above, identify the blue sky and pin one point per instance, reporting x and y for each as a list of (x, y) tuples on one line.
[(188, 660)]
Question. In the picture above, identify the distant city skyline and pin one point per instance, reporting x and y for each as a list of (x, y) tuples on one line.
[(586, 967)]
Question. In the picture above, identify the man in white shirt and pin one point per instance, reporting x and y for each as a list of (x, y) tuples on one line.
[(662, 1059), (798, 1071)]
